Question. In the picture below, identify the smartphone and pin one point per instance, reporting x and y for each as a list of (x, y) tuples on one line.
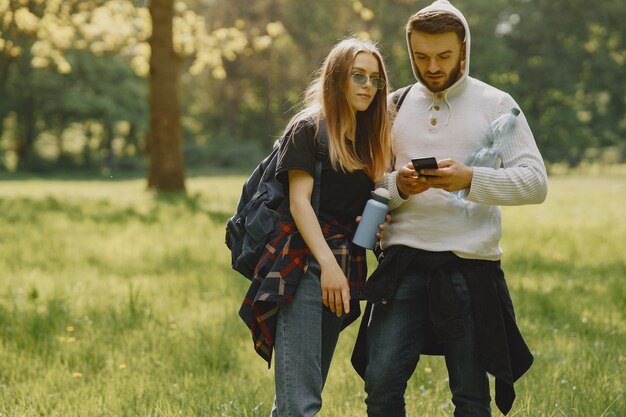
[(424, 163)]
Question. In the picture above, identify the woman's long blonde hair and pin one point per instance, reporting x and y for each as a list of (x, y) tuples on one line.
[(326, 99)]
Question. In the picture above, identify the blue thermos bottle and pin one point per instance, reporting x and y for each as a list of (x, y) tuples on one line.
[(374, 215)]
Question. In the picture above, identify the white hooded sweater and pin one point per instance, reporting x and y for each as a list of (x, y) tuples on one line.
[(436, 220)]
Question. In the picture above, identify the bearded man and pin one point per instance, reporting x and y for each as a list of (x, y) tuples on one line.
[(439, 287)]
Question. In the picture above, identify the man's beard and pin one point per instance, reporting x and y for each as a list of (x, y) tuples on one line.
[(454, 75)]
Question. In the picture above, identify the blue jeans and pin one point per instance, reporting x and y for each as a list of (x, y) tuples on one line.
[(306, 336), (396, 335)]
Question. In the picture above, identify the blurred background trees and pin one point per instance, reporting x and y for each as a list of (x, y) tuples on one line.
[(74, 91)]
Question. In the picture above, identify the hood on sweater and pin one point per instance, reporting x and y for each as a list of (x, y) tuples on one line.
[(446, 6)]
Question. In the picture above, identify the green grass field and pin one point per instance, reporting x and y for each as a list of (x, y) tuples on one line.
[(116, 302)]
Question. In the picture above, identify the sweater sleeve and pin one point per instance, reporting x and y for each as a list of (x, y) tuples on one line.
[(389, 182), (522, 178)]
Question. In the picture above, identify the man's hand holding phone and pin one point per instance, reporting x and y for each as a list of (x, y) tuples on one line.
[(424, 163), (408, 179), (446, 174)]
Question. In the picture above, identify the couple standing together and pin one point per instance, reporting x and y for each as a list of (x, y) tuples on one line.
[(438, 287)]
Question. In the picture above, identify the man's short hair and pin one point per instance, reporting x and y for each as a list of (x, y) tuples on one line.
[(436, 22)]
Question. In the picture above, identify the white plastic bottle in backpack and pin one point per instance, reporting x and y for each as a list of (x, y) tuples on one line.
[(374, 215), (498, 133), (489, 153)]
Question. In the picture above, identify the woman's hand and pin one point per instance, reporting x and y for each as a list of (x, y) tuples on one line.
[(379, 235), (335, 289)]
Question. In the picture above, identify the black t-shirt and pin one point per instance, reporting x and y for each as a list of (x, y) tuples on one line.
[(342, 194)]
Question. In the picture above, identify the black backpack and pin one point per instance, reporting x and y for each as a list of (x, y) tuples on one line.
[(261, 203)]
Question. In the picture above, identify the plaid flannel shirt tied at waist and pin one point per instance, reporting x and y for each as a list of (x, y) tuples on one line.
[(283, 263)]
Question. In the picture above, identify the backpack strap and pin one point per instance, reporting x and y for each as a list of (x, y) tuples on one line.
[(321, 139), (398, 96)]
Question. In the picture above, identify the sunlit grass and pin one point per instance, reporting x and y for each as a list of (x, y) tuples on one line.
[(116, 301)]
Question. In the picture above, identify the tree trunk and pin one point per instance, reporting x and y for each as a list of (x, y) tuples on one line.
[(166, 170), (26, 132), (107, 147)]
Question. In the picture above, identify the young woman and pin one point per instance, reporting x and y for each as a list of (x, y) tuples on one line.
[(300, 297)]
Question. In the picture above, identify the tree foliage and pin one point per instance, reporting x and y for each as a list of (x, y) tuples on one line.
[(245, 64)]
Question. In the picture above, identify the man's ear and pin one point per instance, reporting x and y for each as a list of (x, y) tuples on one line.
[(463, 59)]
